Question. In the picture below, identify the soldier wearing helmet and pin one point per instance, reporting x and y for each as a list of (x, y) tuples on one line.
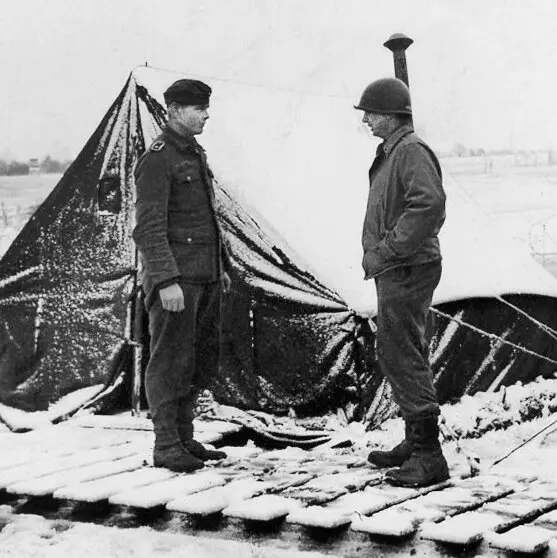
[(405, 211)]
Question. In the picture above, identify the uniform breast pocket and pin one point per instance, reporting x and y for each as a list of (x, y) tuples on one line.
[(186, 173)]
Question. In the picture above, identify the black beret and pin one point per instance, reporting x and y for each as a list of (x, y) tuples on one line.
[(188, 92)]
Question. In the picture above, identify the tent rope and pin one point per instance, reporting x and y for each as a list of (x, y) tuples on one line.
[(522, 444), (247, 83), (541, 325), (492, 336)]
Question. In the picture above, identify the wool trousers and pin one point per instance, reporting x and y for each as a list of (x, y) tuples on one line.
[(184, 357), (404, 297)]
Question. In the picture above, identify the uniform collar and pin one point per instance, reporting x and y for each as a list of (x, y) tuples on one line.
[(389, 143), (180, 141)]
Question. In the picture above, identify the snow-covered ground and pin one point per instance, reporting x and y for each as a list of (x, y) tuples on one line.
[(491, 425), (32, 536)]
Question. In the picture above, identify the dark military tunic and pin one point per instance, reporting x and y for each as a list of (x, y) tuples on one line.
[(176, 230), (179, 241)]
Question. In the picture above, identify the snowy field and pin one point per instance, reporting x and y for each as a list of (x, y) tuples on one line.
[(19, 197), (518, 193)]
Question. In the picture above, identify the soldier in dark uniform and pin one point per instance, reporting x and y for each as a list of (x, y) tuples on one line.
[(184, 273)]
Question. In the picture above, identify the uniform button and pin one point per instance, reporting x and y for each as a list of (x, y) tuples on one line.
[(188, 240)]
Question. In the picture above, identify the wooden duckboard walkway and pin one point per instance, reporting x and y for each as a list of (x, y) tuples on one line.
[(108, 459)]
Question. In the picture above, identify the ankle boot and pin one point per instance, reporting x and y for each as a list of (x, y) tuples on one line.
[(200, 451), (392, 458), (176, 458), (427, 464)]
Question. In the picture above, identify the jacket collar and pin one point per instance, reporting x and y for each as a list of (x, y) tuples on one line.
[(389, 143), (183, 143)]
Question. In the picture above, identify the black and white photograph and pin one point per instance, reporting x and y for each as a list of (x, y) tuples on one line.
[(278, 279)]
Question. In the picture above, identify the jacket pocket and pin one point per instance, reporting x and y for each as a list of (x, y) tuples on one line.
[(186, 172), (194, 236)]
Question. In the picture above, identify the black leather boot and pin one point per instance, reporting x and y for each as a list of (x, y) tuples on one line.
[(199, 450), (185, 416), (395, 457), (427, 464), (176, 458)]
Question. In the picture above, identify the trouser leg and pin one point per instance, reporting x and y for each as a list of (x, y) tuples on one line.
[(206, 354), (404, 296), (171, 366), (207, 358)]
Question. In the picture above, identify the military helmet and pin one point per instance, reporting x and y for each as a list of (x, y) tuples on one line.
[(386, 96)]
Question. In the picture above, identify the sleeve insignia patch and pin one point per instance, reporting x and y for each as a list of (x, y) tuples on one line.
[(157, 146)]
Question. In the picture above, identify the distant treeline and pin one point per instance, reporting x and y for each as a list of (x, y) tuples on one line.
[(45, 166), (460, 150)]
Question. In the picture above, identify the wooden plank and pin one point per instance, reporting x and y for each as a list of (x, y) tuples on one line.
[(48, 466), (102, 488), (547, 520), (413, 508), (386, 496), (462, 529), (74, 441), (526, 539), (264, 508), (469, 495), (215, 500), (329, 487), (51, 483), (389, 522), (297, 490), (498, 516), (173, 489), (319, 516)]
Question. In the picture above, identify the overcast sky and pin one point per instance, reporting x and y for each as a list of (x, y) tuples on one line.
[(482, 72)]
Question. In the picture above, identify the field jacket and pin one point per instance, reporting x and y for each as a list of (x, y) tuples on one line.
[(177, 232), (406, 205)]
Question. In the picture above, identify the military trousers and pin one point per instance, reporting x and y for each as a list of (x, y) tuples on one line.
[(184, 357), (404, 297)]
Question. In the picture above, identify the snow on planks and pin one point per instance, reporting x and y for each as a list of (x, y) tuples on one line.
[(215, 500), (50, 484), (51, 465), (55, 441), (206, 431), (327, 490), (160, 493), (518, 507)]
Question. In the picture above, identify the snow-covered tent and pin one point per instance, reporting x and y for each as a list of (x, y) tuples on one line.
[(292, 171)]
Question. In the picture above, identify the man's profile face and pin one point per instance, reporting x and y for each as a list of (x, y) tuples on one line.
[(379, 124), (189, 118)]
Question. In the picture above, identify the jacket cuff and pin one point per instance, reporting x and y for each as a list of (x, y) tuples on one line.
[(167, 283)]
